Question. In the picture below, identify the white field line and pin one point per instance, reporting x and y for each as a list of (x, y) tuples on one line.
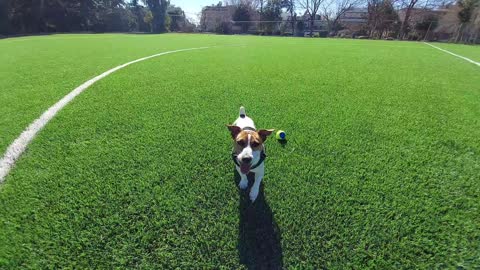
[(16, 149), (454, 54)]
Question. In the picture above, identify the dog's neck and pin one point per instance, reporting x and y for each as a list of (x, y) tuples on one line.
[(263, 156)]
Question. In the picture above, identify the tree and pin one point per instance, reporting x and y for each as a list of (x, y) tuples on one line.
[(241, 16), (259, 4), (271, 14), (465, 15), (148, 19), (251, 5), (27, 16), (159, 12), (410, 4), (110, 16), (382, 17), (177, 18), (4, 22), (136, 10), (333, 10), (45, 15), (426, 24), (476, 25), (290, 6), (300, 28), (311, 9)]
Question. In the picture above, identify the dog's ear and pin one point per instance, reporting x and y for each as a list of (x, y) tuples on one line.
[(264, 133), (234, 130)]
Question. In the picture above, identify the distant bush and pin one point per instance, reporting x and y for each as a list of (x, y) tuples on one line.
[(344, 33), (300, 29), (283, 29), (224, 28)]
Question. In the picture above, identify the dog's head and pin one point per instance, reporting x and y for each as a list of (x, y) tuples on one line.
[(248, 145)]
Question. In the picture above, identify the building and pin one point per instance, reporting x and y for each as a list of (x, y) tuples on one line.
[(215, 17), (420, 14), (448, 24), (354, 19)]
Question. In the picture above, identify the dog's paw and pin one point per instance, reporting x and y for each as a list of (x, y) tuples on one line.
[(243, 184), (253, 194)]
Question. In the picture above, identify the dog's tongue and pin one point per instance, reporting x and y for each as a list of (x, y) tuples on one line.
[(245, 168)]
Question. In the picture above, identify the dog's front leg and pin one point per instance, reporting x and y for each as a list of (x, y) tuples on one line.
[(244, 180), (256, 186)]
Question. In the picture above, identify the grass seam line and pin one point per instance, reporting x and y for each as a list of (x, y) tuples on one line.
[(19, 145), (454, 54)]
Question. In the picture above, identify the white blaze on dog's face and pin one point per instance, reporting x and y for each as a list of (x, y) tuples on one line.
[(248, 146)]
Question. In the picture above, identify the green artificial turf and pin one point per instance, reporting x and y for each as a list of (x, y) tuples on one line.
[(381, 169), (469, 51), (35, 72)]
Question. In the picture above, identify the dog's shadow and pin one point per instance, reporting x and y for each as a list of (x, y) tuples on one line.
[(259, 237)]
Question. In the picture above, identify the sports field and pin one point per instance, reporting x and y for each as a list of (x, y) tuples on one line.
[(381, 169)]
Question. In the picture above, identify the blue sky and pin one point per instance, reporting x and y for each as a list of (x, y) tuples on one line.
[(192, 7)]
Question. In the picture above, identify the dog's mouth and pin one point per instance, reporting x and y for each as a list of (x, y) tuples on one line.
[(245, 168)]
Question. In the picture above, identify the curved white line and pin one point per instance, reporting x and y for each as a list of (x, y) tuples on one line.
[(454, 54), (16, 149)]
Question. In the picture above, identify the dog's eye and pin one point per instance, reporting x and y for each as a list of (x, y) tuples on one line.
[(241, 143), (255, 144)]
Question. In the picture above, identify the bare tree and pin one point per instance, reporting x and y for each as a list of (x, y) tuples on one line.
[(333, 10), (249, 3), (311, 9), (381, 17), (260, 4), (467, 17), (409, 5), (476, 25)]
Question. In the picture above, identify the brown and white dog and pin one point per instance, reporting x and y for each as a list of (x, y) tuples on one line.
[(249, 151)]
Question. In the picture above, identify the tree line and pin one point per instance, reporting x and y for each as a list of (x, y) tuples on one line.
[(384, 18), (44, 16)]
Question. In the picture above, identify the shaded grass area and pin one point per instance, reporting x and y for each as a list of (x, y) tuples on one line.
[(259, 237), (380, 171)]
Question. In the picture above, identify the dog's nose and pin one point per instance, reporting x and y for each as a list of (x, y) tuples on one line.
[(246, 159)]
